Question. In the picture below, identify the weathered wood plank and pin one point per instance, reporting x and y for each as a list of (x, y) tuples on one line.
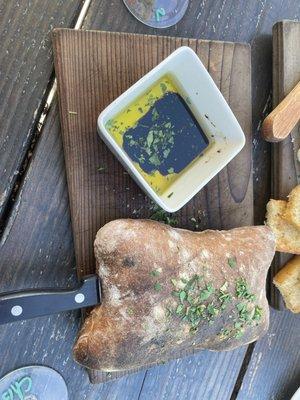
[(37, 251), (90, 75), (25, 71), (274, 370), (285, 166), (206, 375)]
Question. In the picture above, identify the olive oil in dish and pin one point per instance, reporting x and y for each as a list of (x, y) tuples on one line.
[(159, 134)]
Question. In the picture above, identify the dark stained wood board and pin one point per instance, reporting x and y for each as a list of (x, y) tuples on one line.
[(25, 72), (92, 69), (286, 167)]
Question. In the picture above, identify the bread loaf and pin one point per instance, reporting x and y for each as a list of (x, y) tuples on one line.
[(287, 280), (168, 290)]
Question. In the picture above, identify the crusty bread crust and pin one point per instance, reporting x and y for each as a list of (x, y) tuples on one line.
[(287, 280), (144, 268), (292, 211), (287, 234)]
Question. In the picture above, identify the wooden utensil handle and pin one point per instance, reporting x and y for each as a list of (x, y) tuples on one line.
[(283, 118)]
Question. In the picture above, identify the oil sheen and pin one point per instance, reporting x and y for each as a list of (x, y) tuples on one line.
[(160, 135)]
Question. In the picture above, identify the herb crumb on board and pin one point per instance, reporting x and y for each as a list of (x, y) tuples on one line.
[(101, 168), (162, 216)]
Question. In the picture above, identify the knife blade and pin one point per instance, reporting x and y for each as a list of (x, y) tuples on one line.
[(25, 304)]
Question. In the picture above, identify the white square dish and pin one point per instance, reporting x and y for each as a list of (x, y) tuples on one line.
[(206, 103)]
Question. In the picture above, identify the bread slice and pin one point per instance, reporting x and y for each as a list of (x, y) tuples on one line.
[(287, 234), (287, 280), (292, 212)]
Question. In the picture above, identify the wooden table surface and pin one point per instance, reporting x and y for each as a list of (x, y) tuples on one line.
[(36, 247)]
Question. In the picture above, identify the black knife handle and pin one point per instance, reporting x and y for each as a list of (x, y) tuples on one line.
[(26, 304)]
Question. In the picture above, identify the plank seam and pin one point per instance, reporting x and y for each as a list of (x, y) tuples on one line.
[(38, 125), (242, 372), (142, 385)]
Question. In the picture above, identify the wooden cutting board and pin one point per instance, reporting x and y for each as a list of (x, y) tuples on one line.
[(92, 69), (286, 167)]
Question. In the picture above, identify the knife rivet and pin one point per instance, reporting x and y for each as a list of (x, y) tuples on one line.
[(16, 311), (79, 298)]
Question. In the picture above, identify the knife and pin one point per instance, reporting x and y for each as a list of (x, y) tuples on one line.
[(25, 304)]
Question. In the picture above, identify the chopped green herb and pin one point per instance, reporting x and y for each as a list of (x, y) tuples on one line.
[(155, 272), (164, 87), (150, 138), (154, 159), (162, 216), (193, 329), (231, 262), (212, 310), (239, 331), (242, 290), (244, 314), (166, 153), (224, 287), (140, 110), (182, 295), (130, 311), (224, 332), (155, 114), (257, 313), (205, 293), (224, 297), (174, 282), (179, 309), (170, 195), (158, 287), (171, 171)]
